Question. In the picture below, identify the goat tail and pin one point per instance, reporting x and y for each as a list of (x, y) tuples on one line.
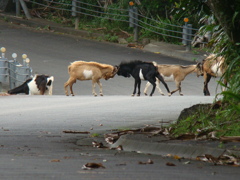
[(50, 80), (154, 63), (69, 68)]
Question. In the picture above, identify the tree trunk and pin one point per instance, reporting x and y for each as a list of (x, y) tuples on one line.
[(7, 5), (225, 12)]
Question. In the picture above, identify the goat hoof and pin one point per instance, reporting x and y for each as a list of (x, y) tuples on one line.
[(138, 94), (145, 94), (181, 94), (133, 95), (163, 94), (101, 94), (73, 95), (169, 94)]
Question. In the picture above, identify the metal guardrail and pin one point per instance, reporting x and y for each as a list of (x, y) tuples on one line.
[(3, 68), (12, 72), (131, 16)]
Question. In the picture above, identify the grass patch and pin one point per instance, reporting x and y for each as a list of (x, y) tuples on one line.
[(95, 135), (222, 120)]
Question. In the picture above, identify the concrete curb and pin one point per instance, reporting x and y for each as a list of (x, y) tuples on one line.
[(142, 144), (43, 24), (172, 50)]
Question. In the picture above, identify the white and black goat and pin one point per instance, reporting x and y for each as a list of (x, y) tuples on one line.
[(38, 85)]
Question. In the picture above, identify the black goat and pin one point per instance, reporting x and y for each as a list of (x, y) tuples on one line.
[(140, 70), (38, 85)]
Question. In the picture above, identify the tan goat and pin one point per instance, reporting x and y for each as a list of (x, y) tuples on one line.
[(213, 66), (175, 73), (82, 70)]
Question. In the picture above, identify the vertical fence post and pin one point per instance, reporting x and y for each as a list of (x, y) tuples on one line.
[(12, 71), (189, 37), (75, 8), (135, 10), (24, 57), (17, 7), (22, 72), (3, 67), (187, 34), (130, 14), (133, 19), (184, 35)]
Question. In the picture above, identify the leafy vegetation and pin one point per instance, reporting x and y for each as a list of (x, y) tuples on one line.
[(113, 17), (208, 120), (225, 42)]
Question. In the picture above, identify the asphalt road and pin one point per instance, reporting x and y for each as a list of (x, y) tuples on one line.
[(32, 142)]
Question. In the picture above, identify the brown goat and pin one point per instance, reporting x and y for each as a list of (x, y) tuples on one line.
[(175, 73), (81, 70), (212, 66)]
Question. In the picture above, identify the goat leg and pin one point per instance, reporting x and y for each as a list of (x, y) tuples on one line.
[(178, 89), (71, 90), (164, 83), (146, 88), (139, 87), (152, 81), (153, 89), (93, 89), (207, 78), (100, 87), (158, 87), (135, 86)]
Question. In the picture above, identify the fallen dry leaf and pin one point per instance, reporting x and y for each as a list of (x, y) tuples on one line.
[(121, 164), (170, 164), (131, 45), (222, 160), (89, 166), (187, 162), (186, 136), (201, 158), (110, 140), (76, 132), (211, 158), (148, 162), (97, 144), (120, 148), (230, 138), (177, 157)]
